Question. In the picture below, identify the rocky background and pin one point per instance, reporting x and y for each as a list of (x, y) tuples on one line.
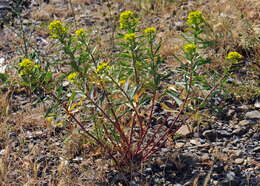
[(224, 149)]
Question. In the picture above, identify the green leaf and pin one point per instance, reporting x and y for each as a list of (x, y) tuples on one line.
[(178, 60), (125, 55), (3, 77), (174, 95), (48, 76)]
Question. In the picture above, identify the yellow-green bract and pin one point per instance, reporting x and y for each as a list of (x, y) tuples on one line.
[(127, 20), (130, 37), (57, 29), (102, 67), (72, 76), (150, 30), (27, 66), (189, 48), (195, 18), (80, 32), (234, 56)]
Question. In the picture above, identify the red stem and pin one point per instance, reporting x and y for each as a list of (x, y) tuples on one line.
[(83, 128)]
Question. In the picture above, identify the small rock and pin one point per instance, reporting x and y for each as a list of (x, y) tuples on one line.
[(225, 149), (238, 152), (179, 26), (196, 135), (195, 142), (210, 135), (65, 83), (205, 156), (230, 112), (2, 151), (223, 133), (30, 146), (184, 130), (231, 175), (244, 123), (2, 60), (257, 104), (256, 150), (148, 170), (2, 66), (38, 133), (257, 158), (165, 150), (29, 135), (240, 131), (243, 107), (255, 114), (179, 145), (239, 161), (78, 158), (256, 136)]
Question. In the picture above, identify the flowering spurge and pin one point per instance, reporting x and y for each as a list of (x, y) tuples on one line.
[(57, 29), (150, 30), (27, 66), (130, 37), (234, 56), (189, 48), (128, 21), (112, 98), (72, 77), (195, 18)]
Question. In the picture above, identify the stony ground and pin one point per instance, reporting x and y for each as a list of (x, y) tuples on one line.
[(223, 150)]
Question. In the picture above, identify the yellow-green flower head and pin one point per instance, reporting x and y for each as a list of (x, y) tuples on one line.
[(80, 32), (72, 76), (189, 48), (57, 29), (26, 63), (150, 30), (27, 66), (128, 20), (122, 81), (37, 66), (130, 37), (195, 18), (234, 56), (103, 66)]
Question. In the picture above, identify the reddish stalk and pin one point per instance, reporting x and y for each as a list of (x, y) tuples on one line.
[(83, 128), (132, 132), (169, 130), (116, 124), (149, 122), (121, 132)]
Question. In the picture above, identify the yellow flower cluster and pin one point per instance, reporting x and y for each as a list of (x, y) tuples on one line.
[(130, 37), (103, 66), (150, 30), (195, 18), (128, 20), (72, 76), (122, 81), (234, 56), (26, 63), (80, 32), (27, 66), (189, 48), (57, 29)]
